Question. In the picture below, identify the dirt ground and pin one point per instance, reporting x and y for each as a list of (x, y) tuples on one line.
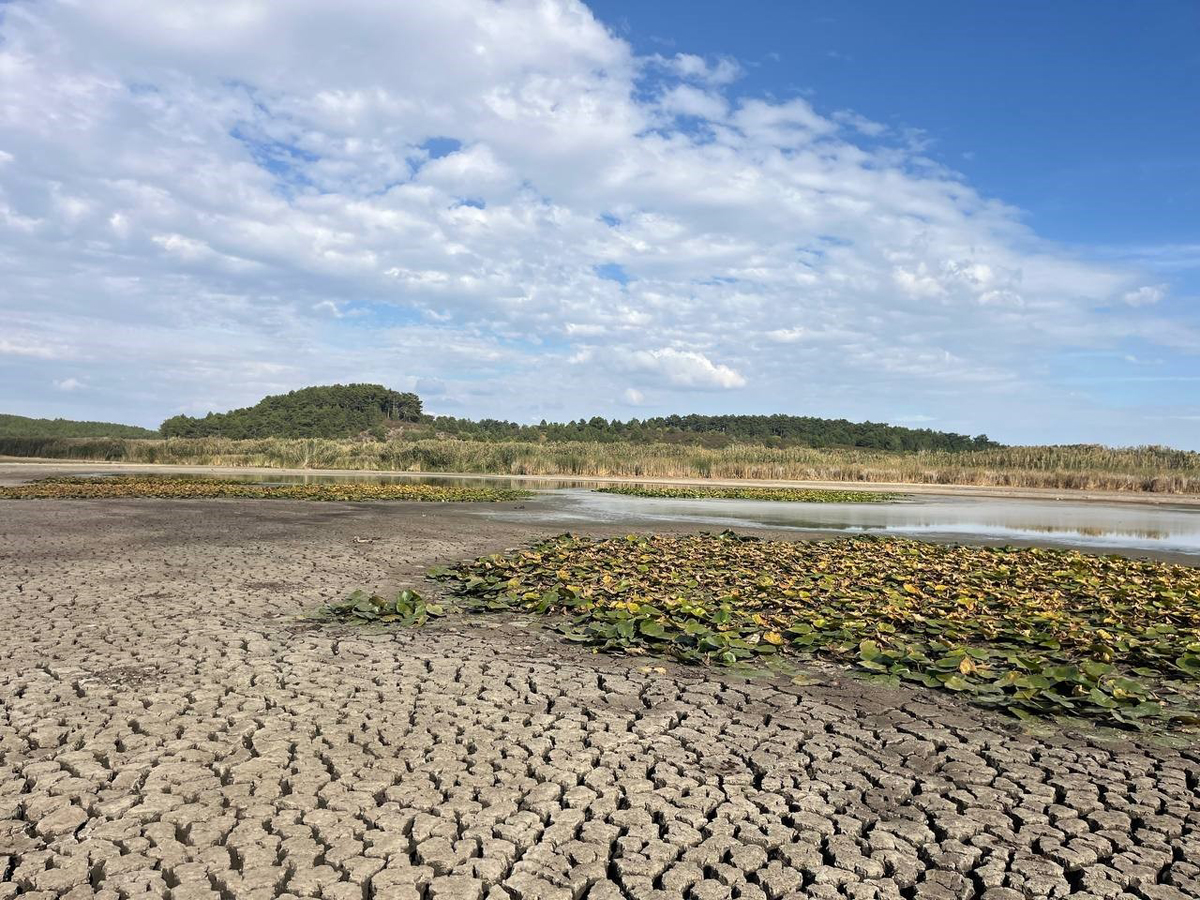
[(170, 728)]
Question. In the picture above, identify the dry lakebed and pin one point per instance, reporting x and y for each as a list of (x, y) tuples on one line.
[(174, 726)]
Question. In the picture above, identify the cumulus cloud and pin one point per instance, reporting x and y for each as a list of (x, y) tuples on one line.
[(328, 306), (786, 335), (689, 66), (682, 368), (859, 123), (213, 200), (1146, 295), (33, 349), (685, 100)]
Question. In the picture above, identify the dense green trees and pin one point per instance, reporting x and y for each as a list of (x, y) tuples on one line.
[(719, 431), (20, 426), (337, 410), (350, 410)]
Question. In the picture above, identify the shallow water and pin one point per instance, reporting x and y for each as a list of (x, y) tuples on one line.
[(1095, 526), (1101, 527)]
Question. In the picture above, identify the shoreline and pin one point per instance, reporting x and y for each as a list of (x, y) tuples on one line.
[(11, 466)]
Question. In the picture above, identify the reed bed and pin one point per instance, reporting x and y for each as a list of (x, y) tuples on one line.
[(1068, 467)]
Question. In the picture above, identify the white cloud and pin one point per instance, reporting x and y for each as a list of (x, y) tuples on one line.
[(781, 125), (1146, 295), (859, 123), (328, 306), (69, 384), (191, 193), (27, 348), (786, 335), (918, 283), (689, 66), (685, 100), (634, 397), (682, 369), (185, 248)]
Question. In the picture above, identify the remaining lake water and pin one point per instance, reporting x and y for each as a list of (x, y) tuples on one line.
[(1090, 525)]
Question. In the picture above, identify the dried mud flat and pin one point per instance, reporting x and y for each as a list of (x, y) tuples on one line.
[(169, 729)]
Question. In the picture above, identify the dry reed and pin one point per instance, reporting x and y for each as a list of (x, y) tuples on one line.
[(1071, 467)]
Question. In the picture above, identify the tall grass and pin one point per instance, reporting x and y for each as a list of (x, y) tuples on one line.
[(1075, 467)]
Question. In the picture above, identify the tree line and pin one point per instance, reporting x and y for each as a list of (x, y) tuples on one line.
[(373, 411), (22, 426), (719, 430)]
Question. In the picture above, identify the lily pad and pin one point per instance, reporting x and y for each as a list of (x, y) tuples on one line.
[(1029, 631)]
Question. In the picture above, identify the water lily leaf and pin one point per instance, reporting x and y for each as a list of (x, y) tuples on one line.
[(1096, 670), (1190, 663), (1020, 630), (955, 683), (652, 629)]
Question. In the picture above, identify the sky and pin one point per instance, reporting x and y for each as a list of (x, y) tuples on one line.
[(967, 217)]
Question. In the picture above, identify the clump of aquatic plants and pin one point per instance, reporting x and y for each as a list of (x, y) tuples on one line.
[(795, 495), (407, 608), (172, 488), (1029, 631)]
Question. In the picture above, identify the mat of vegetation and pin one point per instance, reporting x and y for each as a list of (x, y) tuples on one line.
[(793, 495), (1029, 631), (138, 486), (360, 608)]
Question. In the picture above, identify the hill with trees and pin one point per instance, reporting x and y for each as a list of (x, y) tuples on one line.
[(21, 426), (374, 411), (330, 411), (341, 411)]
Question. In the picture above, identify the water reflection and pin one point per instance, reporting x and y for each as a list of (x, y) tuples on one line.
[(1153, 534), (1060, 522)]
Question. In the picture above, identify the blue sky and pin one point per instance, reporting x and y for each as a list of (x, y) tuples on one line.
[(1083, 114), (966, 216)]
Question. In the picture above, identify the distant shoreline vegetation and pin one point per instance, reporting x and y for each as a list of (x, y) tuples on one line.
[(711, 432), (24, 427), (1071, 467), (369, 426), (374, 412), (783, 495)]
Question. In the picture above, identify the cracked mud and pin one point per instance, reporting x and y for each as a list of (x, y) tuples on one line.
[(168, 729)]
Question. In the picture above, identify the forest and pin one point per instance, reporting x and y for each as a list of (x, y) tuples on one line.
[(717, 431), (25, 427), (375, 412)]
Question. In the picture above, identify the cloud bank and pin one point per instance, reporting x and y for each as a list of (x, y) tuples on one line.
[(204, 202)]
